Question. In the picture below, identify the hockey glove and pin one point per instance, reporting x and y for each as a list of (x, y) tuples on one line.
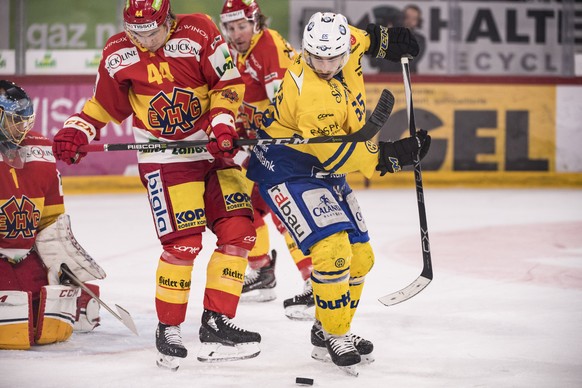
[(391, 43), (400, 153), (221, 143), (66, 145)]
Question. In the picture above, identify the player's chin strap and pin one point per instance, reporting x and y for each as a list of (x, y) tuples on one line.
[(57, 245), (370, 129)]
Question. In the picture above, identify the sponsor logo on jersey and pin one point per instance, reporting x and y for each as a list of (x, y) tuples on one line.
[(190, 218), (121, 59), (230, 94), (19, 218), (182, 48), (290, 212), (195, 29), (223, 64), (38, 153), (343, 301), (268, 164), (177, 113), (237, 200), (158, 203), (323, 207)]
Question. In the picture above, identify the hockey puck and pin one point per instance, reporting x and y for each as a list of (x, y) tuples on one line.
[(303, 381)]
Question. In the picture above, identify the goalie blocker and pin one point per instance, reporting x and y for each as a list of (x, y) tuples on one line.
[(37, 313)]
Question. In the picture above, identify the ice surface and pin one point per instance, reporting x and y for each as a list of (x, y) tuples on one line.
[(504, 308)]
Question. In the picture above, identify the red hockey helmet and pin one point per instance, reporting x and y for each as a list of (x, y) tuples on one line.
[(240, 9), (145, 15)]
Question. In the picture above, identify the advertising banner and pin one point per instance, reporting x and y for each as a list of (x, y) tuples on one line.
[(55, 102), (477, 127), (467, 37)]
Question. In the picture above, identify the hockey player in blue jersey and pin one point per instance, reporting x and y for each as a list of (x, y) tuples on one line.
[(323, 94)]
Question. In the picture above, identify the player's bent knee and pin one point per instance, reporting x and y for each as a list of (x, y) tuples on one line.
[(235, 231), (362, 259), (184, 247)]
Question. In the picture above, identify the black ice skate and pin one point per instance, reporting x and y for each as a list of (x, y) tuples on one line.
[(302, 306), (170, 346), (259, 284), (343, 353), (320, 352), (222, 340)]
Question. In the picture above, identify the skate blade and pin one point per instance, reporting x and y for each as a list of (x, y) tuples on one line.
[(168, 362), (300, 313), (217, 352), (262, 295), (350, 370), (321, 354)]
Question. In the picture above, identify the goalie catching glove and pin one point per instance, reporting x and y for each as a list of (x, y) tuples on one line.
[(56, 245), (395, 155), (391, 43)]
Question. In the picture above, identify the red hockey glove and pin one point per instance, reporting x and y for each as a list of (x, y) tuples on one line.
[(221, 144), (66, 145), (400, 153)]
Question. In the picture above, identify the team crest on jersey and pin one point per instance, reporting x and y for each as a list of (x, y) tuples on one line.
[(251, 116), (19, 218), (175, 114)]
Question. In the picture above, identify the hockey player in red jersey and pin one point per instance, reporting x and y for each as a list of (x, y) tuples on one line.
[(36, 238), (262, 56), (174, 76)]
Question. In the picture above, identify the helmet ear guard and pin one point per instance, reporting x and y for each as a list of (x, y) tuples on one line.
[(16, 113)]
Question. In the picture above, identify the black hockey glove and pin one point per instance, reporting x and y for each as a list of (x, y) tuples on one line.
[(391, 43), (400, 153)]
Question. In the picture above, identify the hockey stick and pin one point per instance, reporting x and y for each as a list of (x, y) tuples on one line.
[(123, 316), (426, 275), (370, 129)]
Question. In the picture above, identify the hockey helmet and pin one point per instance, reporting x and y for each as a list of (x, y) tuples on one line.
[(145, 15), (240, 9), (327, 37), (16, 113)]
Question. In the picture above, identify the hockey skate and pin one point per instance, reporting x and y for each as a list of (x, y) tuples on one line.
[(302, 306), (259, 284), (343, 353), (170, 347), (320, 351), (222, 340)]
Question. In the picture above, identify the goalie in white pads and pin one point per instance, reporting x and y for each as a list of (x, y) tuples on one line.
[(36, 238)]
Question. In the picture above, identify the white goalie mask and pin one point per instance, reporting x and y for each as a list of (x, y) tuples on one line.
[(326, 43)]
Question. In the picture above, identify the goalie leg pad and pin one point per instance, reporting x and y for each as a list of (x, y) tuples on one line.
[(57, 313), (16, 327), (87, 310)]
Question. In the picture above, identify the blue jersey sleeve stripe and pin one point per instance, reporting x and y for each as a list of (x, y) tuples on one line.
[(345, 158), (336, 155)]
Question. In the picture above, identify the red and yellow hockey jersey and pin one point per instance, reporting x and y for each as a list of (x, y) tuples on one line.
[(262, 68), (173, 93), (31, 197)]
